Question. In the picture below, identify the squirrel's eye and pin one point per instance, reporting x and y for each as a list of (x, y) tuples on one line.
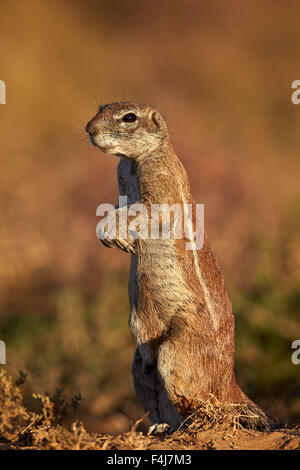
[(130, 117)]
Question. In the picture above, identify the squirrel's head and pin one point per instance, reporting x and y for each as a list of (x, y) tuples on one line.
[(127, 130)]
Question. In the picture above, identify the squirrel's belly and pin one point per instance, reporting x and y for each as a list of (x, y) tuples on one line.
[(170, 282), (160, 279)]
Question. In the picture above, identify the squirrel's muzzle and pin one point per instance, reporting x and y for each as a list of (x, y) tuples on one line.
[(91, 128)]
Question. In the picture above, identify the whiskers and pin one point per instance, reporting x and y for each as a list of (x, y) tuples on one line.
[(78, 141)]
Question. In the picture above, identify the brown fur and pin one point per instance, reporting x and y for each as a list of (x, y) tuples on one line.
[(180, 313)]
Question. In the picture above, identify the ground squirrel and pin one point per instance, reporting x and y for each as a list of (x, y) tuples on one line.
[(180, 313)]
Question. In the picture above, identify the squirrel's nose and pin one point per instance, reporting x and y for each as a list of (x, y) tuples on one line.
[(91, 128)]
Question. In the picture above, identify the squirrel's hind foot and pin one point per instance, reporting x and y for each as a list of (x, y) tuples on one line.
[(158, 429)]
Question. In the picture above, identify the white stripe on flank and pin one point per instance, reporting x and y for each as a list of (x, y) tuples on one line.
[(207, 299)]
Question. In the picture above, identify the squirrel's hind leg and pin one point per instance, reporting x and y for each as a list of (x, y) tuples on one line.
[(146, 387), (153, 397)]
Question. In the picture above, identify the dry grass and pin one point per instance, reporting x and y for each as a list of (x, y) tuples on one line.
[(23, 428), (211, 414), (221, 76)]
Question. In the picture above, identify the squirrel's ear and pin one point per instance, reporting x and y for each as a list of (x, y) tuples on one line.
[(157, 120)]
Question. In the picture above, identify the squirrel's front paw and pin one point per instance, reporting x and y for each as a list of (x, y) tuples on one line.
[(103, 234), (125, 245), (106, 232)]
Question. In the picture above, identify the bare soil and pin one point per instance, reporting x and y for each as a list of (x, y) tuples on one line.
[(222, 439)]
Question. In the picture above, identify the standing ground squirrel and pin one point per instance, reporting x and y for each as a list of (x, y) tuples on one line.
[(180, 312)]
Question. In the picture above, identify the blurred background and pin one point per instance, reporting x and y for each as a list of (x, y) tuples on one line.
[(221, 73)]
